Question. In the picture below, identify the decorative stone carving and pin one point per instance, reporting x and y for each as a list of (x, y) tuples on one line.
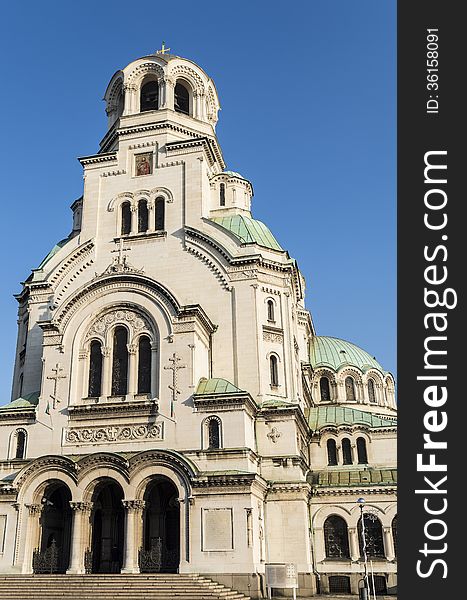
[(134, 505), (274, 435), (135, 322), (114, 433), (270, 336), (81, 506)]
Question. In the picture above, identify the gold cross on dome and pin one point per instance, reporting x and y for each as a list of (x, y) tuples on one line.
[(163, 50)]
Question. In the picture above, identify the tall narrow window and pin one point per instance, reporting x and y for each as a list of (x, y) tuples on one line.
[(394, 534), (274, 371), (149, 99), (182, 99), (126, 218), (349, 388), (20, 386), (372, 535), (361, 451), (371, 391), (332, 452), (144, 365), (271, 316), (160, 214), (143, 216), (120, 362), (346, 452), (336, 537), (20, 444), (324, 389), (214, 434), (222, 194), (95, 370)]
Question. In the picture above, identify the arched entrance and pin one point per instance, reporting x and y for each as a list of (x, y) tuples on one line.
[(53, 553), (161, 528), (108, 521)]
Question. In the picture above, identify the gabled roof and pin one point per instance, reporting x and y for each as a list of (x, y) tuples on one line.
[(248, 230), (323, 416)]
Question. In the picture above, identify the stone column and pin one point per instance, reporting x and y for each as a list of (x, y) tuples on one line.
[(80, 535), (169, 100), (134, 219), (132, 370), (106, 370), (353, 544), (388, 543), (133, 514), (152, 217), (154, 370), (32, 535)]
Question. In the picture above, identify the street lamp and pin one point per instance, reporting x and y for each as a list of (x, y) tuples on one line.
[(364, 594)]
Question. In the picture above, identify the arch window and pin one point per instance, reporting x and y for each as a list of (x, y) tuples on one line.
[(149, 98), (325, 389), (394, 534), (182, 99), (336, 538), (95, 370), (350, 388), (271, 311), (143, 216), (373, 532), (371, 391), (20, 385), (346, 452), (21, 437), (212, 433), (126, 218), (222, 194), (274, 370), (160, 214), (361, 451), (332, 452), (120, 362), (144, 365)]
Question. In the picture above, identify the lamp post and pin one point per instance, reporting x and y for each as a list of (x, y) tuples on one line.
[(364, 594)]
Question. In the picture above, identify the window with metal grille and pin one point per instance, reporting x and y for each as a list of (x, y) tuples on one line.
[(332, 452), (95, 370), (336, 538), (380, 585), (339, 584), (373, 536), (120, 362)]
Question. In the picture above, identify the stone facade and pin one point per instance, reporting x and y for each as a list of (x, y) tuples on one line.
[(167, 408)]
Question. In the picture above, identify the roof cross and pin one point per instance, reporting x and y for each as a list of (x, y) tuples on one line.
[(163, 50)]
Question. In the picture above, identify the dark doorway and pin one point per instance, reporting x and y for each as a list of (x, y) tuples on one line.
[(108, 521), (161, 531), (53, 554)]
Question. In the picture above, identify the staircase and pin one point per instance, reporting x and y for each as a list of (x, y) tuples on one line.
[(114, 587)]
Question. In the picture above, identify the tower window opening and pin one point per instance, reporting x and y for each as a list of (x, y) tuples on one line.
[(346, 452), (160, 214), (350, 388), (222, 194), (143, 216), (149, 99), (271, 316), (126, 218), (274, 371), (182, 99)]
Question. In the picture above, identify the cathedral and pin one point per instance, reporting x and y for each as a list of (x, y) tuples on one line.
[(173, 409)]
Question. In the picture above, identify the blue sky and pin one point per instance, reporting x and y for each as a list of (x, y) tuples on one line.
[(308, 95)]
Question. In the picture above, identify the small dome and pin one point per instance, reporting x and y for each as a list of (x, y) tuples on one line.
[(234, 174), (248, 231), (335, 353)]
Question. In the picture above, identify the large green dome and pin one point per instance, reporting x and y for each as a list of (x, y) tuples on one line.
[(335, 353)]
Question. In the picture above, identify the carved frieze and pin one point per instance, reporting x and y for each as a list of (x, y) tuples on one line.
[(114, 433)]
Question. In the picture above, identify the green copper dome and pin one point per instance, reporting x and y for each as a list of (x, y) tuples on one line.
[(215, 385), (248, 230), (335, 353)]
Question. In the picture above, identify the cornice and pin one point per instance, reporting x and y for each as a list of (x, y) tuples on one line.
[(352, 491), (225, 402), (94, 159), (112, 409), (18, 416)]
